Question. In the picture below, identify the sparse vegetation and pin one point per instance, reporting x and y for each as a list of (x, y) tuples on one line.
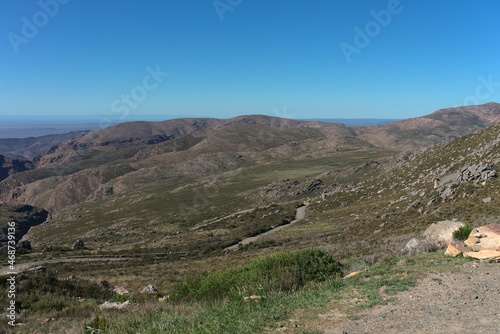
[(281, 271), (362, 212), (462, 233)]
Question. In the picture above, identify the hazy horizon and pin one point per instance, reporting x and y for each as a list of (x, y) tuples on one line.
[(186, 58), (15, 128)]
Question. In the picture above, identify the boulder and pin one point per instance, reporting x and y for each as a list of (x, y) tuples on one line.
[(416, 246), (441, 233), (452, 251), (486, 237), (484, 255), (78, 244)]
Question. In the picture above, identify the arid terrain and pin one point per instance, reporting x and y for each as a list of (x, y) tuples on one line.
[(153, 203)]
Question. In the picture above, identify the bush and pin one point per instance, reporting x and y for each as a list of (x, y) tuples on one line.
[(282, 271), (462, 233)]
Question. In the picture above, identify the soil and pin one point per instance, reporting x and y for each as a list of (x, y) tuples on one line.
[(464, 302)]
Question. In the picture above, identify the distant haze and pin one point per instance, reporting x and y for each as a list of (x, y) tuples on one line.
[(23, 127)]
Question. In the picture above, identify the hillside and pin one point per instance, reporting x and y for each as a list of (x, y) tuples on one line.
[(31, 147), (191, 203), (9, 166), (120, 155), (438, 127)]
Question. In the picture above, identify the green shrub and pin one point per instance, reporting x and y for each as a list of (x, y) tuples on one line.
[(462, 233), (282, 271)]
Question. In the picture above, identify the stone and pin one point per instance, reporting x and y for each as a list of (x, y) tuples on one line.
[(489, 238), (441, 233), (79, 244), (487, 254), (447, 193), (452, 251), (415, 204), (252, 297), (416, 246), (487, 200), (120, 290), (150, 289), (47, 320), (108, 305), (354, 273), (38, 269)]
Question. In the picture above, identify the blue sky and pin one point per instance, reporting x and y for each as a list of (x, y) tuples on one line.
[(232, 57)]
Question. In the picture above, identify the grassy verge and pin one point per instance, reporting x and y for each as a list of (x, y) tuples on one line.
[(285, 285), (229, 312)]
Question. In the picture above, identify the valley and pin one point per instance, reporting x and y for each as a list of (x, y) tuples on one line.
[(178, 198)]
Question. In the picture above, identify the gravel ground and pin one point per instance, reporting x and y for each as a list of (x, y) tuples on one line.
[(466, 302)]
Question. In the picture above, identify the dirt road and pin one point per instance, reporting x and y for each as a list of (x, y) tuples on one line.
[(461, 303), (19, 267), (300, 214)]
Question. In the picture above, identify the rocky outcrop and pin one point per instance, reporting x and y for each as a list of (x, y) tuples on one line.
[(483, 243), (479, 173), (441, 233), (484, 238), (436, 236)]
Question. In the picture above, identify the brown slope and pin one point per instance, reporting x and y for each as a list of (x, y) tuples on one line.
[(438, 127)]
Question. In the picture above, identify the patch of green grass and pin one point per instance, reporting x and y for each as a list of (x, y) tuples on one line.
[(281, 271), (375, 286)]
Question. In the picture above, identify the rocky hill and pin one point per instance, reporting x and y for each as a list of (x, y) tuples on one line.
[(438, 127), (192, 169)]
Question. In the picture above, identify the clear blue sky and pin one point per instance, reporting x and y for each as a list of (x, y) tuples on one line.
[(278, 57)]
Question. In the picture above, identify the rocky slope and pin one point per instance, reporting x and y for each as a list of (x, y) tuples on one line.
[(137, 157), (438, 127)]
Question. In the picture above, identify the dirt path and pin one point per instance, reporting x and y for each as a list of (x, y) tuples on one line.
[(300, 214), (216, 220), (462, 303)]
